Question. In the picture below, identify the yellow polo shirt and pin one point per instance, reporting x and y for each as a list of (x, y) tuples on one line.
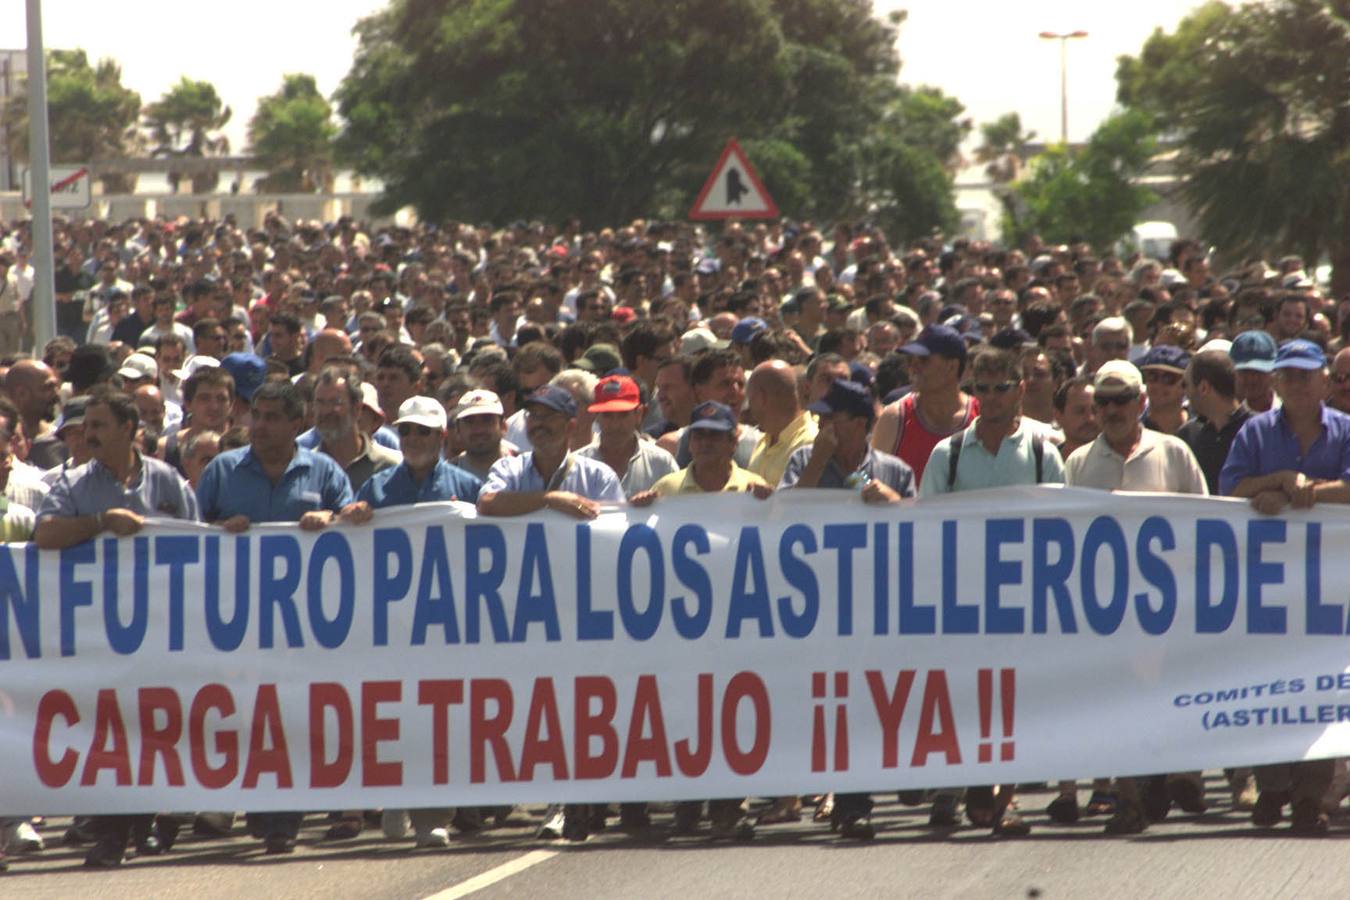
[(682, 482), (769, 460)]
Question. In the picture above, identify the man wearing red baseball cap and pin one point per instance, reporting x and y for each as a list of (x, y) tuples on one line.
[(634, 457)]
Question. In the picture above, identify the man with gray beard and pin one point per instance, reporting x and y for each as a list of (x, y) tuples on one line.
[(337, 397)]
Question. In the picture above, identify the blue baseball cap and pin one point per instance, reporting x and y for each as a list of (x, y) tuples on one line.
[(1254, 350), (746, 329), (248, 371), (846, 397), (941, 340), (558, 399), (1300, 354), (712, 416), (1166, 356), (1011, 339)]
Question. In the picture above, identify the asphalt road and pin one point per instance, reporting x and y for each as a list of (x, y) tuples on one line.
[(1215, 855)]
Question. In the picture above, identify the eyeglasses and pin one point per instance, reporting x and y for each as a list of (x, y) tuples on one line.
[(1167, 378), (408, 428), (1001, 387), (1114, 399)]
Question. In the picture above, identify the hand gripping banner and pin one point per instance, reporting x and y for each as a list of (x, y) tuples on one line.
[(713, 646)]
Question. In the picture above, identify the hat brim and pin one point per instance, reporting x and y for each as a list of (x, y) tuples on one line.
[(1308, 365), (1256, 365), (550, 407), (820, 408), (1163, 367), (492, 410), (424, 421), (710, 425), (614, 406)]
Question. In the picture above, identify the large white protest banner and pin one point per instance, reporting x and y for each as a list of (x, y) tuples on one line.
[(703, 647)]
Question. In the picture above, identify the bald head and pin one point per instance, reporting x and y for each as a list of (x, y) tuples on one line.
[(772, 391), (34, 388), (327, 344)]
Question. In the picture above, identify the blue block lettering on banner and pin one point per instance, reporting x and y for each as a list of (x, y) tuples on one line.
[(1157, 573), (484, 584), (74, 593), (390, 585), (535, 600), (435, 604), (800, 576), (23, 600), (691, 625), (276, 590), (749, 601), (331, 546), (1052, 578), (228, 635), (641, 625), (1105, 532), (999, 573), (1260, 574), (177, 552), (1211, 535)]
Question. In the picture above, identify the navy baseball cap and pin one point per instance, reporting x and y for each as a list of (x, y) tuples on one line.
[(558, 399), (1166, 356), (248, 371), (859, 373), (940, 340), (846, 397), (746, 329), (1254, 350), (712, 416), (1300, 354), (1011, 339)]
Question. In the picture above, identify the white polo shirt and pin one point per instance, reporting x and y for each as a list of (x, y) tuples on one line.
[(1161, 462)]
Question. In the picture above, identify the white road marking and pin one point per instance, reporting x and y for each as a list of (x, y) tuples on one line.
[(492, 876)]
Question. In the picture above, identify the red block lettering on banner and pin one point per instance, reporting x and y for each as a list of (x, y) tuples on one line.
[(263, 758), (375, 731), (213, 698), (160, 741), (54, 773), (440, 695), (108, 727), (325, 696)]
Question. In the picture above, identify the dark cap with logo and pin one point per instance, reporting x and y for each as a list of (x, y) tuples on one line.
[(558, 399), (712, 416)]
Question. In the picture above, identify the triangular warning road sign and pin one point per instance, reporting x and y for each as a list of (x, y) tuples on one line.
[(733, 190)]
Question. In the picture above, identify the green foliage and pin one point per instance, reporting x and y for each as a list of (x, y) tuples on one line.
[(1089, 194), (1255, 97), (90, 115), (612, 109), (183, 122), (292, 135), (1001, 145)]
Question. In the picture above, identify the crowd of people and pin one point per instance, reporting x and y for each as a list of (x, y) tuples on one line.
[(314, 372)]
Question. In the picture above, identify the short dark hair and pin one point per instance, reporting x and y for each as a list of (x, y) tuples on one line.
[(1215, 368), (401, 356), (644, 339), (292, 402), (209, 376), (119, 403), (1061, 399), (709, 364)]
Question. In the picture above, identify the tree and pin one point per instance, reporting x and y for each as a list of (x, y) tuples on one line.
[(1255, 98), (90, 115), (1002, 144), (612, 109), (292, 134), (1090, 194), (181, 124)]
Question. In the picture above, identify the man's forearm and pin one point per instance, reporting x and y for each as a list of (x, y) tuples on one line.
[(59, 532), (512, 503)]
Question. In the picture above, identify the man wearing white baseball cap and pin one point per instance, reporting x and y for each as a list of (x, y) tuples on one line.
[(479, 429)]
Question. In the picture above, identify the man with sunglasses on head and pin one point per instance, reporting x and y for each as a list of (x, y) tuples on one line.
[(1297, 455), (1126, 456), (998, 449)]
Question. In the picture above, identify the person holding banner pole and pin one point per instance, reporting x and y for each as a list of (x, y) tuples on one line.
[(1128, 457), (551, 476), (273, 480), (712, 444), (1295, 455), (116, 491), (841, 458)]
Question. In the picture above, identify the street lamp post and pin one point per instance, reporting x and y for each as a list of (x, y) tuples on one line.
[(1063, 39)]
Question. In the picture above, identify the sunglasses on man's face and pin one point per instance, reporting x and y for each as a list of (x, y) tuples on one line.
[(1001, 387), (1165, 378), (408, 428), (1114, 399)]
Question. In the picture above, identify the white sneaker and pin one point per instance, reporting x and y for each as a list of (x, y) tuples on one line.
[(22, 837), (552, 829), (435, 838), (394, 823)]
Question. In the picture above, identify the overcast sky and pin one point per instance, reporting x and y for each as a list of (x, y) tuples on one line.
[(984, 52)]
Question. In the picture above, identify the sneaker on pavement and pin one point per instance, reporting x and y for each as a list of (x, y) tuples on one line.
[(552, 828), (1188, 793), (22, 837), (857, 828), (436, 838), (1063, 810), (944, 814), (1308, 818), (278, 843), (1269, 808), (737, 829)]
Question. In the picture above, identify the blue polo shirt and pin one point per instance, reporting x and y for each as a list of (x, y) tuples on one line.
[(587, 478), (1267, 444), (890, 470), (92, 488), (396, 487), (234, 484)]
